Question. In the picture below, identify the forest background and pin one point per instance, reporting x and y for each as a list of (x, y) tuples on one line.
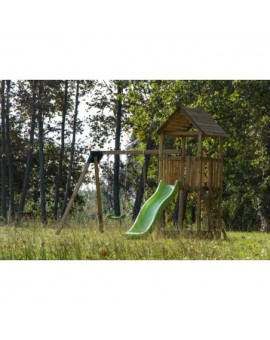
[(48, 128)]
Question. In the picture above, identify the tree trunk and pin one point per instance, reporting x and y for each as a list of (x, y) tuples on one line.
[(176, 208), (29, 157), (58, 181), (41, 154), (3, 155), (143, 178), (264, 212), (9, 156), (67, 191), (116, 192)]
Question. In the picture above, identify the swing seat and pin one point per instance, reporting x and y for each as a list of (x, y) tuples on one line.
[(113, 217)]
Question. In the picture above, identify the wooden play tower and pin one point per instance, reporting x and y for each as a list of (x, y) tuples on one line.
[(199, 173)]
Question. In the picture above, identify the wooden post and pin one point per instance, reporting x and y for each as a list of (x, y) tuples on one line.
[(220, 190), (160, 165), (161, 172), (199, 199), (74, 194), (182, 193), (100, 217)]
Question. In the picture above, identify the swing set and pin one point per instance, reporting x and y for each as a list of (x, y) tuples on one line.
[(180, 174), (94, 158)]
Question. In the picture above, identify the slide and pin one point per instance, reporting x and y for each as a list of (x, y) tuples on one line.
[(153, 208)]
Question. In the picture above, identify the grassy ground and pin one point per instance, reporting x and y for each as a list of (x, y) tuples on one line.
[(30, 242)]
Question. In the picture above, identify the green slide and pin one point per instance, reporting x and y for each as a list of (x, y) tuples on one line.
[(153, 208)]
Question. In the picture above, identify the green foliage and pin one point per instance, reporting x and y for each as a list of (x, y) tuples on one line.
[(241, 107), (22, 108)]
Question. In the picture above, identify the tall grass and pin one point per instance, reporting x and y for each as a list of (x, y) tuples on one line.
[(85, 242)]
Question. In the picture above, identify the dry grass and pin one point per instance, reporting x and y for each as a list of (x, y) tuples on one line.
[(33, 242)]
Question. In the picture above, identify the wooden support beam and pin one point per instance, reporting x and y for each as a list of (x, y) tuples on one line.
[(220, 189), (182, 133), (140, 152), (99, 205), (182, 193), (199, 198), (74, 194), (160, 162), (173, 158), (208, 205)]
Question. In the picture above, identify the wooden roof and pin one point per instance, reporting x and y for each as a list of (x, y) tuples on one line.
[(184, 119)]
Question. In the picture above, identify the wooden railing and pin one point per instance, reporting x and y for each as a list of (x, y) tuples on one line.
[(188, 170)]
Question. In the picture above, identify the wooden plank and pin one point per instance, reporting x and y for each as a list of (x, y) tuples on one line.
[(163, 169), (199, 198), (214, 174), (172, 172), (181, 170), (193, 173), (177, 124), (178, 127), (220, 191), (165, 174), (181, 211), (169, 171), (177, 174), (210, 174), (181, 133), (139, 152), (174, 169), (173, 158), (100, 217), (73, 196), (187, 171), (200, 163), (174, 165), (160, 152), (205, 173), (197, 169), (182, 192), (218, 174), (199, 180)]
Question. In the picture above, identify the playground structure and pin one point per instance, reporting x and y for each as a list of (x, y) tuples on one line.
[(200, 173), (180, 174)]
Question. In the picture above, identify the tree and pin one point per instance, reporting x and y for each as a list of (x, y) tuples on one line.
[(254, 99), (118, 119), (107, 125), (40, 137), (58, 181), (3, 153), (150, 103), (9, 154), (42, 184), (30, 147), (72, 150)]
